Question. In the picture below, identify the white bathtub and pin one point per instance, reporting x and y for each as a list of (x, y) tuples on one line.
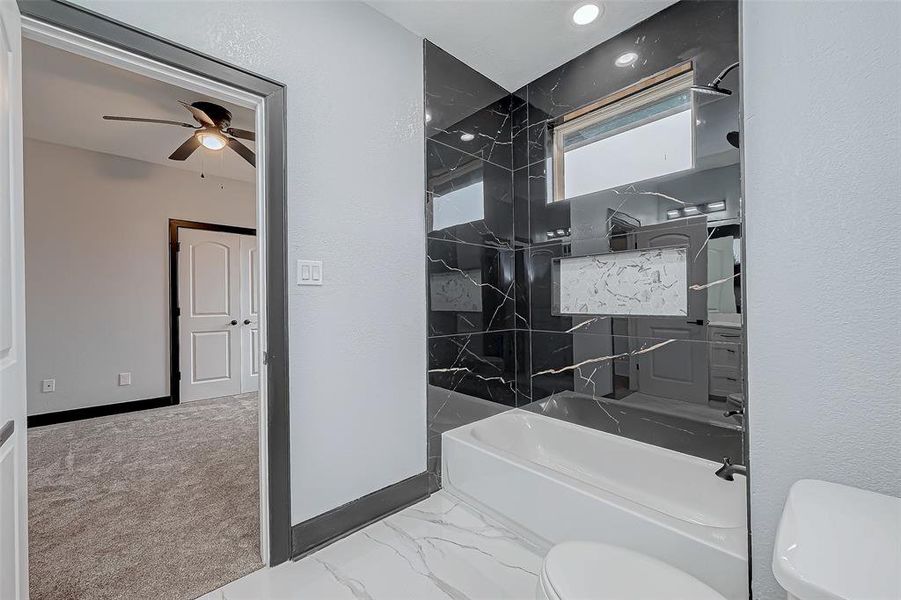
[(556, 481)]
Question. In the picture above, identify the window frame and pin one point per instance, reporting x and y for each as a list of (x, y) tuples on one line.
[(647, 91)]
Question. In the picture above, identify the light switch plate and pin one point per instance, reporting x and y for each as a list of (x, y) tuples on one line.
[(124, 378), (309, 272), (48, 385)]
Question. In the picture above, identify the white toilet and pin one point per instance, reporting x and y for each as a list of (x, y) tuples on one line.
[(591, 570)]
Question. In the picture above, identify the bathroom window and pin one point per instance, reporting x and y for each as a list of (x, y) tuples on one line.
[(640, 133)]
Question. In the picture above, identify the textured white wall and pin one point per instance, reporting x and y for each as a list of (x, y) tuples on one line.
[(355, 180), (97, 269), (822, 143)]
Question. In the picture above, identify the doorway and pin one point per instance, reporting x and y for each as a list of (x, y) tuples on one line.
[(80, 31), (138, 490), (214, 284)]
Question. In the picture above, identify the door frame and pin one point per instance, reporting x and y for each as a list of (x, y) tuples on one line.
[(90, 34), (174, 309)]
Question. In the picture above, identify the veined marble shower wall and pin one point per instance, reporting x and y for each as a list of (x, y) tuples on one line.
[(470, 257), (654, 356)]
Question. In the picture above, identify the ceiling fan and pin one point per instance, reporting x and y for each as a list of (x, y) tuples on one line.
[(214, 132)]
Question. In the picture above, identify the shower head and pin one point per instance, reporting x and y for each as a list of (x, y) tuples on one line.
[(713, 88)]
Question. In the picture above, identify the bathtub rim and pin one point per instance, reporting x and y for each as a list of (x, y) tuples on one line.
[(730, 540)]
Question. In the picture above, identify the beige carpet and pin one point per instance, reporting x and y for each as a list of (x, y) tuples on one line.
[(155, 504)]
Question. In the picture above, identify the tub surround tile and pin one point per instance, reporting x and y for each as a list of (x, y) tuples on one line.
[(704, 32), (700, 436), (448, 409), (676, 367), (523, 367), (544, 217), (543, 289), (521, 234), (519, 132), (491, 131), (599, 359), (438, 548), (481, 365), (459, 101), (452, 178), (521, 288), (471, 288), (538, 142), (645, 282)]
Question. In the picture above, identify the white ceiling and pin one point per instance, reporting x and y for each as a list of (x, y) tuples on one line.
[(514, 42), (65, 96)]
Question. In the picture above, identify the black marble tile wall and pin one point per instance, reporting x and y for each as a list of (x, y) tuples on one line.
[(496, 340), (471, 288), (451, 172), (475, 304), (621, 374), (461, 101), (703, 31)]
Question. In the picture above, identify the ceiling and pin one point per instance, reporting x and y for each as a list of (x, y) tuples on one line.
[(515, 41), (65, 96)]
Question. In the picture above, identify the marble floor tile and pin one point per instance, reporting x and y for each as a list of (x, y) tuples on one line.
[(439, 548)]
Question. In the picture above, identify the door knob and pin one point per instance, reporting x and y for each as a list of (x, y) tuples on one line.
[(234, 322), (247, 321)]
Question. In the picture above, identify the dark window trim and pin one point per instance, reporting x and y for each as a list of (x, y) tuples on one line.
[(98, 27)]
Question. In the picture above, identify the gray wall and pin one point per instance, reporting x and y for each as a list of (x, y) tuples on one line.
[(822, 137), (354, 173), (97, 282)]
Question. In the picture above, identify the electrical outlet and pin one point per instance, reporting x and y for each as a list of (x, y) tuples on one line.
[(48, 385), (124, 378)]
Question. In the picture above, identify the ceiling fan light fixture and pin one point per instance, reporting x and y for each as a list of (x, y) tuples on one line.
[(211, 140)]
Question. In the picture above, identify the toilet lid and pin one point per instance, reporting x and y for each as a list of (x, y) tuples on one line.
[(581, 570)]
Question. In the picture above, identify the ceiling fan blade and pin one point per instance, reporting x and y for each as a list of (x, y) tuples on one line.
[(245, 152), (241, 133), (186, 149), (142, 120), (198, 114)]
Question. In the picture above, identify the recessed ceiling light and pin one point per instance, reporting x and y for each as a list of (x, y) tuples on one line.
[(467, 137), (625, 59), (585, 14), (211, 140)]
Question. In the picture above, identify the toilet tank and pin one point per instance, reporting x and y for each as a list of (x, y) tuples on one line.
[(836, 542)]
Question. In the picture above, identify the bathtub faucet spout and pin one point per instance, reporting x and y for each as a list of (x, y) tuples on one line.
[(728, 470)]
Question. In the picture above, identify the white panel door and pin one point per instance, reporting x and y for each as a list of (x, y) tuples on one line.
[(13, 488), (209, 300), (250, 314)]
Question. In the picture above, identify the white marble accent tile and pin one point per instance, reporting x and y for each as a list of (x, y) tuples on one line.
[(639, 282), (456, 291), (439, 548)]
